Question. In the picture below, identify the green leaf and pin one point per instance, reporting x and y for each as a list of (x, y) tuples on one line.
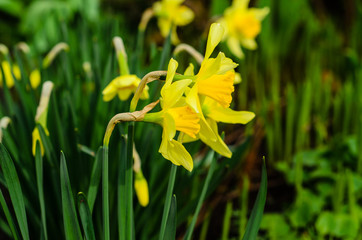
[(170, 233), (48, 147), (71, 225), (253, 225), (95, 179), (85, 216), (8, 216), (16, 195), (39, 180)]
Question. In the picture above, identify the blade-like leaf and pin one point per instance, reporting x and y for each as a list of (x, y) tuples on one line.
[(8, 216), (71, 225), (16, 195), (95, 179), (48, 147), (170, 233), (85, 217), (39, 180), (253, 225)]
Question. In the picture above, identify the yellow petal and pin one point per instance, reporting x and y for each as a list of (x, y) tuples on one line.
[(237, 79), (215, 35), (218, 146), (169, 127), (165, 26), (174, 37), (234, 46), (176, 153), (173, 93), (171, 70), (192, 99), (35, 78), (228, 115), (186, 120), (249, 44), (241, 4), (189, 70), (141, 189), (183, 16), (260, 14), (124, 94), (218, 87)]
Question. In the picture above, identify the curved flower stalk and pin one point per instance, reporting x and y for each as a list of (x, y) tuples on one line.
[(170, 14), (54, 52), (210, 96), (41, 115), (175, 115), (8, 72), (242, 25), (127, 83)]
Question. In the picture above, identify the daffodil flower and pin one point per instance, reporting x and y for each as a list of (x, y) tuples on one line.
[(210, 95), (9, 79), (123, 86), (127, 83), (242, 25), (141, 189), (175, 115), (171, 14)]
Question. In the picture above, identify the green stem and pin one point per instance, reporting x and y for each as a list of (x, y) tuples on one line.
[(166, 208), (105, 194), (202, 198), (129, 181)]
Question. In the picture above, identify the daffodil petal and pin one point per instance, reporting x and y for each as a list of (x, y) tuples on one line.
[(249, 44), (234, 46), (206, 132), (35, 78), (189, 70), (177, 154), (260, 14), (169, 127), (183, 16), (219, 145), (192, 99), (228, 115), (215, 35), (171, 70), (173, 93)]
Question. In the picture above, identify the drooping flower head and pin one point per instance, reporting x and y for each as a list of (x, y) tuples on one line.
[(171, 14), (125, 84), (175, 115), (242, 25)]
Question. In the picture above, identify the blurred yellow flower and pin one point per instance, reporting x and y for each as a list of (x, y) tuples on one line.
[(175, 115), (171, 14), (242, 25), (35, 78), (9, 79), (123, 86), (141, 189)]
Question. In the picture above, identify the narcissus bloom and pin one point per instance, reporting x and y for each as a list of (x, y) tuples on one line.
[(242, 25), (176, 115), (123, 86), (171, 14), (9, 79), (210, 96)]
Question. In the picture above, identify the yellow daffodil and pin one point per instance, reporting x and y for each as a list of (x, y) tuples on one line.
[(171, 14), (242, 25), (141, 189), (210, 95), (176, 115), (9, 79), (123, 86), (41, 115), (35, 78)]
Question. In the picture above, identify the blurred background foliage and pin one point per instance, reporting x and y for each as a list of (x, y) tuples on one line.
[(303, 82)]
